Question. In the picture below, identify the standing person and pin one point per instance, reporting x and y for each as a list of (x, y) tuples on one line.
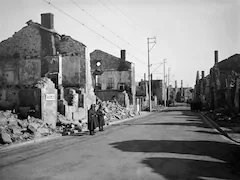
[(92, 119), (100, 113)]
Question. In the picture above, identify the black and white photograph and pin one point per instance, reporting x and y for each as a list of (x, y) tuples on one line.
[(119, 89)]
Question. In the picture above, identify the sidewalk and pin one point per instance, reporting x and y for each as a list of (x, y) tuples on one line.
[(57, 136), (227, 132)]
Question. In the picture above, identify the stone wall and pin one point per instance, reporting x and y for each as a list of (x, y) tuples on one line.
[(29, 71), (118, 77), (20, 72), (8, 98), (23, 44), (9, 72), (48, 101), (69, 45), (108, 62), (73, 71), (107, 95)]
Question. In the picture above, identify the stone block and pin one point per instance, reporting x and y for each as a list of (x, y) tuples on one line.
[(5, 138), (3, 120), (32, 127)]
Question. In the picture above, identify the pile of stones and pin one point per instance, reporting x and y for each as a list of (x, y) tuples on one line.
[(114, 111), (13, 129)]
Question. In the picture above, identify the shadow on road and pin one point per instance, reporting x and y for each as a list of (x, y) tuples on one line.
[(177, 168), (188, 118), (205, 132), (200, 124)]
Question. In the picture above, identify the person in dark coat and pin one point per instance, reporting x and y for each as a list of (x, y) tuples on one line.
[(100, 113), (92, 119)]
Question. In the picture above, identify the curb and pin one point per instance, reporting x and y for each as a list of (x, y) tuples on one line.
[(128, 119), (56, 136), (218, 129), (20, 144)]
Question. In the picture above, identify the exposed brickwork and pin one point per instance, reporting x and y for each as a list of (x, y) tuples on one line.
[(23, 44), (108, 61), (73, 71), (119, 72), (69, 45), (29, 71)]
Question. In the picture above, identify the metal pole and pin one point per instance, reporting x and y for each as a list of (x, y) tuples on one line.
[(164, 86), (168, 86), (149, 78)]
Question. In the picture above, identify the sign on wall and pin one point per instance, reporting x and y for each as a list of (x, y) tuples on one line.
[(50, 97)]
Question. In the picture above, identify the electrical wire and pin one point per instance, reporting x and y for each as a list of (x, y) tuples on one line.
[(124, 14), (103, 4), (115, 13), (104, 26), (87, 27)]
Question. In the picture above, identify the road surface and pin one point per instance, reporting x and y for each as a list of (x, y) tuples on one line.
[(172, 145)]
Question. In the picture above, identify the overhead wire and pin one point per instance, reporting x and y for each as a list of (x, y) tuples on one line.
[(115, 13), (93, 31), (105, 5), (104, 26), (124, 14)]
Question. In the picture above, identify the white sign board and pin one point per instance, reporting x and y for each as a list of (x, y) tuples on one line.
[(50, 97)]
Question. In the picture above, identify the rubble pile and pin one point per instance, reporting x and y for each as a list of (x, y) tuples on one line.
[(223, 115), (114, 111), (13, 129), (67, 126)]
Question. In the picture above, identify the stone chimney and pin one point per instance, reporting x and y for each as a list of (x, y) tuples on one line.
[(48, 43), (216, 56), (123, 55), (202, 74), (47, 20), (197, 77), (181, 87)]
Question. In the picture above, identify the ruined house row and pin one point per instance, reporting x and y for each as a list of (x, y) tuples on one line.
[(38, 51), (220, 88)]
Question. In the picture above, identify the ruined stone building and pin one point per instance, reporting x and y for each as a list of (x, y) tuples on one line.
[(142, 92), (219, 89), (35, 51), (113, 77)]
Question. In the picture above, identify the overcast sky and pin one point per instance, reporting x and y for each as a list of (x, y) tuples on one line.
[(187, 31)]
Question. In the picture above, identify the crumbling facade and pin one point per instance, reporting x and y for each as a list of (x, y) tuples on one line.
[(113, 77), (142, 93), (220, 89), (37, 50)]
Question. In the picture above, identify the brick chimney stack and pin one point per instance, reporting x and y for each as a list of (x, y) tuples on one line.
[(202, 74), (181, 87), (123, 55), (216, 56), (47, 37), (47, 20)]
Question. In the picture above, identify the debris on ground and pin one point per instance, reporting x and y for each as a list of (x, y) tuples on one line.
[(227, 121), (13, 129), (114, 111)]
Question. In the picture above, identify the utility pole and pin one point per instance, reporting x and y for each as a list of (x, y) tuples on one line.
[(164, 83), (168, 84), (150, 41)]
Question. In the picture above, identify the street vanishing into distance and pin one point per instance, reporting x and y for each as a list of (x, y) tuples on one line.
[(175, 144)]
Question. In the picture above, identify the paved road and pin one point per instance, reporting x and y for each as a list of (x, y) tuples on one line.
[(172, 145)]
